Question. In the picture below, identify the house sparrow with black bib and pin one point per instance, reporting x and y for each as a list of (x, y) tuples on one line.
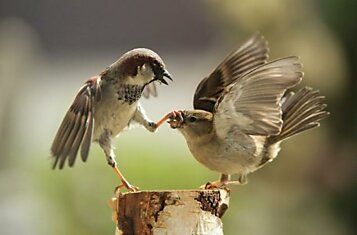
[(105, 105), (241, 115)]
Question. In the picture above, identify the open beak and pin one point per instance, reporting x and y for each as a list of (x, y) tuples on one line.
[(164, 74)]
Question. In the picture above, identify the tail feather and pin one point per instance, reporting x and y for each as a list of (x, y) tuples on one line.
[(301, 111)]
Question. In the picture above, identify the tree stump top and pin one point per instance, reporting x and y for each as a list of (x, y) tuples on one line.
[(171, 212)]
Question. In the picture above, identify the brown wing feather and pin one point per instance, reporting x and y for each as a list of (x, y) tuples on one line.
[(78, 133), (88, 135), (77, 126), (251, 54)]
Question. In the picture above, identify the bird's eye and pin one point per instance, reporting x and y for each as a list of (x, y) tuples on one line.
[(156, 68), (192, 119)]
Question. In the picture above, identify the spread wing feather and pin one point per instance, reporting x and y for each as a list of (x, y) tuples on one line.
[(251, 54), (253, 103), (76, 129)]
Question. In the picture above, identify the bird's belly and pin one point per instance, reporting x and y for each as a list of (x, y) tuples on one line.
[(114, 117), (225, 160)]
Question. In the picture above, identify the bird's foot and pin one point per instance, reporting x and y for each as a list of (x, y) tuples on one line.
[(236, 182), (124, 182), (170, 116), (215, 185), (129, 187), (175, 119)]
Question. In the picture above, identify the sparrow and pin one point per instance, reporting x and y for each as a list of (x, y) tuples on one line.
[(241, 115), (105, 105)]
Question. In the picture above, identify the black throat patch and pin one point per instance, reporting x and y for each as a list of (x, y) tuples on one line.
[(129, 93)]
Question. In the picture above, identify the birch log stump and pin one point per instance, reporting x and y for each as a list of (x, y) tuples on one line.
[(170, 212)]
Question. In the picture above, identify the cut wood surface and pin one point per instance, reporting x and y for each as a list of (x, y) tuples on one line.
[(171, 212)]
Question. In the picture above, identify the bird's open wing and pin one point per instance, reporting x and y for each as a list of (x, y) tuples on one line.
[(253, 104), (76, 129), (251, 54)]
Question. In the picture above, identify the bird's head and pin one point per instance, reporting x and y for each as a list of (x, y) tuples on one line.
[(193, 124), (142, 66)]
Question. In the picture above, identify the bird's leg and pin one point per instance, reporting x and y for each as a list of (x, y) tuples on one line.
[(141, 118), (176, 116), (242, 180), (224, 178), (105, 144), (224, 181), (163, 120), (125, 183)]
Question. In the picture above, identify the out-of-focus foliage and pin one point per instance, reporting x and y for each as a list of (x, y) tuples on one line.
[(48, 49)]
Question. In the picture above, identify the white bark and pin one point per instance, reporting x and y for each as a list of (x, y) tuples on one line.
[(171, 212)]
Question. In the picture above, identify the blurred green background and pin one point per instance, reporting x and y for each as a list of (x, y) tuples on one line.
[(49, 48)]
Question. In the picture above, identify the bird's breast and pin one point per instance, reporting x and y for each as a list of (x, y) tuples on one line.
[(113, 112), (129, 93)]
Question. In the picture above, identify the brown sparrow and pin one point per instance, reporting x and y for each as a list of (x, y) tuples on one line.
[(240, 116), (106, 104)]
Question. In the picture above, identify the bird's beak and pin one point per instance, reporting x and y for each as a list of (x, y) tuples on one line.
[(164, 74)]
